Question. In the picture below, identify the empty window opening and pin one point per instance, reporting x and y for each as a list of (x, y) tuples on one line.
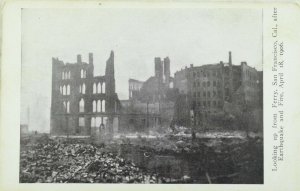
[(94, 106), (68, 89), (68, 107), (64, 90), (103, 88), (99, 88), (103, 105), (81, 105), (98, 106)]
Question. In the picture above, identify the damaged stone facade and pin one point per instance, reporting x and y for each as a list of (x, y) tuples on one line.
[(83, 104), (207, 89)]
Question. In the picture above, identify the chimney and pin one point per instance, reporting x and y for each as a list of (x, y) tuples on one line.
[(78, 58), (230, 61), (91, 58), (167, 70), (158, 65)]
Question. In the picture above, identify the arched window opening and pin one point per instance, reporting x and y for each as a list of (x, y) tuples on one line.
[(68, 107), (64, 90), (99, 88), (69, 75), (81, 105), (83, 89), (94, 88), (103, 106), (68, 90), (98, 106), (94, 106), (65, 106), (103, 88), (81, 73)]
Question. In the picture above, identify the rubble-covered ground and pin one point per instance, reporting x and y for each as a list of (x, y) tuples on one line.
[(47, 160), (164, 159), (202, 160)]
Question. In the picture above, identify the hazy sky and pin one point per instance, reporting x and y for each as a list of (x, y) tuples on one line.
[(198, 36)]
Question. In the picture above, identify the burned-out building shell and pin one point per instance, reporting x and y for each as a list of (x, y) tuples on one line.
[(81, 103)]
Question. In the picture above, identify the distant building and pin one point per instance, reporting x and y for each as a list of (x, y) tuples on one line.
[(134, 88), (83, 104), (207, 89)]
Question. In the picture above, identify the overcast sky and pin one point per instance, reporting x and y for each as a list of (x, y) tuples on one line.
[(198, 36)]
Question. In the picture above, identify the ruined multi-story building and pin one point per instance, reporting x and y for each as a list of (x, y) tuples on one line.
[(151, 102), (81, 103), (157, 87), (206, 89)]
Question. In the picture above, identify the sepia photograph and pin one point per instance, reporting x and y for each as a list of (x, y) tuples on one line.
[(142, 95)]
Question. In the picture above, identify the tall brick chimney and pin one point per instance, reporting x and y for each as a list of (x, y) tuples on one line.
[(91, 60), (78, 58), (230, 61), (158, 68), (167, 71)]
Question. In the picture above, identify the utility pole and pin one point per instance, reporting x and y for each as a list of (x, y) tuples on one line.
[(147, 117)]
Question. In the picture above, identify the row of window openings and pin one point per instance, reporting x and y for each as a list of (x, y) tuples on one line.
[(67, 74), (98, 106), (133, 87), (67, 106), (206, 84), (99, 122), (95, 121), (100, 88), (208, 94), (206, 74), (208, 103), (65, 90)]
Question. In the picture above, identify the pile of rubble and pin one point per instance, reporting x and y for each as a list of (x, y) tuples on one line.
[(64, 162), (225, 160)]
